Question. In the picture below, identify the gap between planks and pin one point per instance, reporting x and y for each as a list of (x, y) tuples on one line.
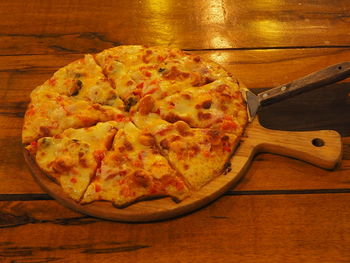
[(41, 197), (195, 50)]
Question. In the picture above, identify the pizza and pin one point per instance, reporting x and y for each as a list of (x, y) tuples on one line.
[(134, 123)]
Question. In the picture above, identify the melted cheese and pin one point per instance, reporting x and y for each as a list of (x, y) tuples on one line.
[(156, 87), (198, 160), (50, 113), (82, 79), (134, 169), (206, 107), (198, 154), (72, 158), (138, 71)]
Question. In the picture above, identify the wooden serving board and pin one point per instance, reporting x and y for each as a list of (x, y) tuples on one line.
[(320, 148)]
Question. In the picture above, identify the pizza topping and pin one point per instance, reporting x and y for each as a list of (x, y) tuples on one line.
[(189, 115), (206, 104), (52, 81), (194, 150), (182, 127), (97, 188), (186, 96), (197, 59), (99, 155), (44, 131), (225, 138), (229, 125), (150, 90), (168, 180), (77, 88), (146, 105), (174, 73), (61, 165), (214, 134), (45, 142), (227, 149), (126, 146), (34, 144), (165, 144), (171, 117), (147, 140), (32, 148), (160, 58), (30, 111), (204, 116), (120, 118), (147, 74), (112, 175), (129, 103), (129, 83), (208, 80), (197, 80), (164, 130), (140, 178), (146, 58), (140, 85)]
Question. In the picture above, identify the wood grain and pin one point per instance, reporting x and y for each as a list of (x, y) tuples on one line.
[(283, 210), (52, 27), (311, 228), (265, 68), (299, 145), (326, 108)]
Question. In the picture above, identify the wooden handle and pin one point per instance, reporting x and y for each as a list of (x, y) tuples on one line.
[(312, 81), (321, 148)]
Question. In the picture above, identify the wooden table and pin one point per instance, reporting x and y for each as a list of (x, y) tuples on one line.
[(283, 210)]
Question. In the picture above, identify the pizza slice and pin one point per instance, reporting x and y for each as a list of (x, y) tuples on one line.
[(138, 71), (217, 105), (50, 113), (134, 169), (82, 79), (120, 64), (72, 157), (198, 154)]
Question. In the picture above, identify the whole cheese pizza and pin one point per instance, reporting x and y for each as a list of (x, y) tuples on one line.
[(134, 123)]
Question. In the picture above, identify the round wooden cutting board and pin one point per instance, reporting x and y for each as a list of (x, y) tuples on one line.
[(321, 148)]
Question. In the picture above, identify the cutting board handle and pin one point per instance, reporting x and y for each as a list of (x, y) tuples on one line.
[(321, 148)]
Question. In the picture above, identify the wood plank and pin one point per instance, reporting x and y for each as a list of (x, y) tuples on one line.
[(263, 68), (257, 69), (43, 27), (297, 145), (312, 228), (326, 108), (272, 172), (267, 172)]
